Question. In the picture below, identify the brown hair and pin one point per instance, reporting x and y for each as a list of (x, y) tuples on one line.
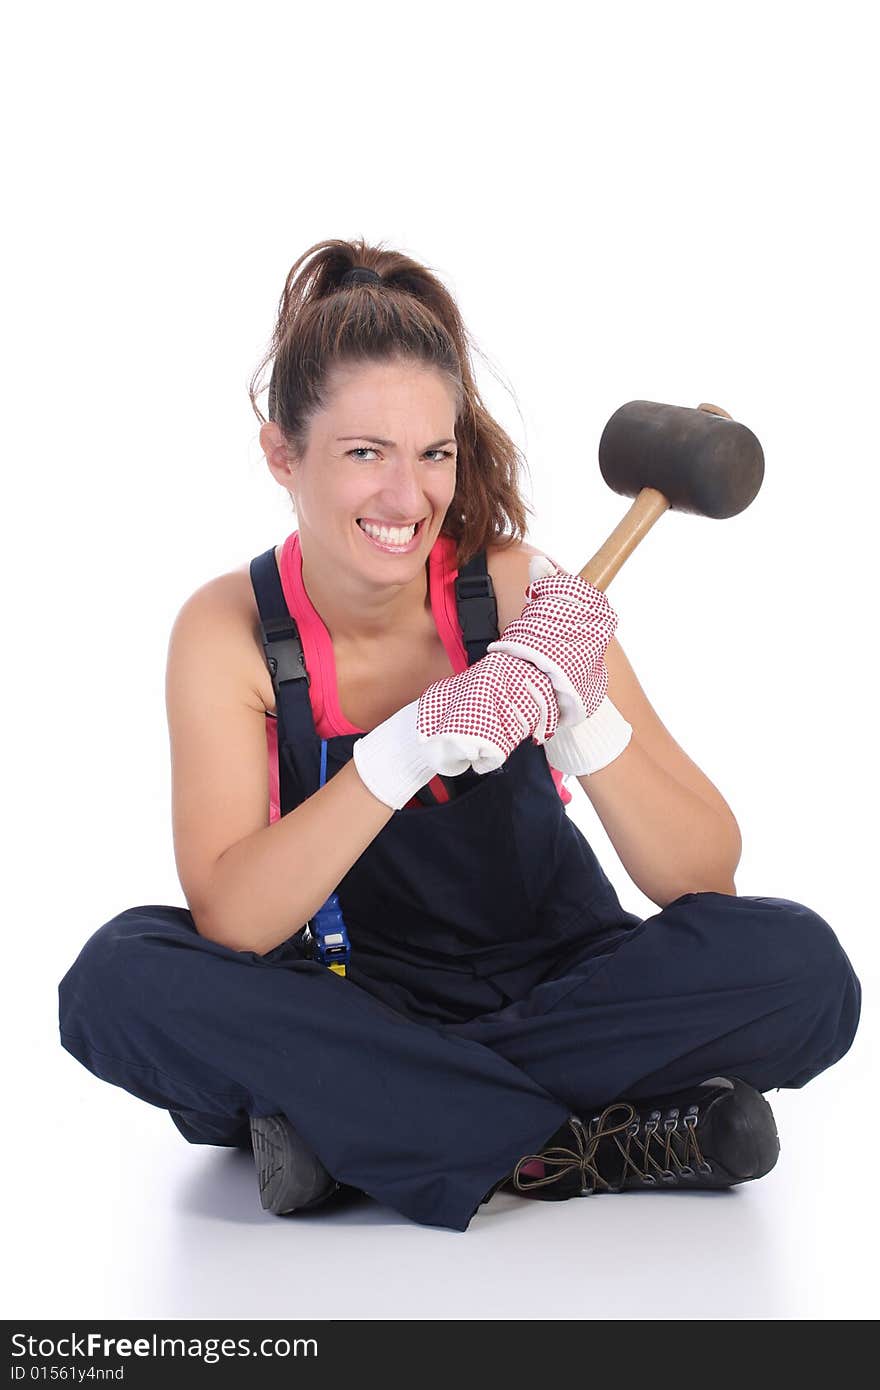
[(410, 316)]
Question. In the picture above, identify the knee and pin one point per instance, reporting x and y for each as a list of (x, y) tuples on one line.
[(835, 994), (824, 992), (110, 972)]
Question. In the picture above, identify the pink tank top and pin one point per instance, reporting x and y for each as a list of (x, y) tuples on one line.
[(318, 650)]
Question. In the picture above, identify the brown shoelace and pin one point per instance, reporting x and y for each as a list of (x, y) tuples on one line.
[(676, 1143)]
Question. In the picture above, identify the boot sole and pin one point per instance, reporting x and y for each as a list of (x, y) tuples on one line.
[(291, 1177)]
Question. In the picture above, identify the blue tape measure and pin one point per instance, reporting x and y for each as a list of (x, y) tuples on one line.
[(330, 943)]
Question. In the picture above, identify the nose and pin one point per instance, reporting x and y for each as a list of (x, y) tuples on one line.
[(404, 496)]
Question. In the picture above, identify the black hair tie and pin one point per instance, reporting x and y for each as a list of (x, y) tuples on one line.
[(359, 275)]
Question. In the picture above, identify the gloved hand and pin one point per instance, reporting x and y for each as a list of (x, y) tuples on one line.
[(564, 630), (483, 713), (473, 719)]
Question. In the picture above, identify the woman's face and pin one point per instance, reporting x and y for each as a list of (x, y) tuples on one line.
[(383, 451)]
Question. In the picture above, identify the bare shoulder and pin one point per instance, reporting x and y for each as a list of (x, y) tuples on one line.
[(508, 568), (220, 620)]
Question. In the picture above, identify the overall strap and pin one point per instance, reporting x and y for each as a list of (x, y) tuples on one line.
[(298, 745), (477, 609)]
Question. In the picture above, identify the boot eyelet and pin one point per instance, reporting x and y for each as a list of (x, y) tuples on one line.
[(686, 1171), (706, 1168), (668, 1175), (649, 1180)]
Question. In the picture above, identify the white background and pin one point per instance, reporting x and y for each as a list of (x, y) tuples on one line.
[(666, 202)]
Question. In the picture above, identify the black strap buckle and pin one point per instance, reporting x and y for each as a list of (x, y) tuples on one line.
[(285, 656), (473, 586), (478, 613)]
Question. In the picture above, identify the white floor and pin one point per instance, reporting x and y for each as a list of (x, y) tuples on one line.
[(112, 1214)]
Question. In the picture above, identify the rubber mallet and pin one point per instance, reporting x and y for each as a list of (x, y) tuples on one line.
[(672, 457)]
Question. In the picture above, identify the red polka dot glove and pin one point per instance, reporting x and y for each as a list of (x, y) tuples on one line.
[(479, 716), (564, 630), (593, 743), (474, 719)]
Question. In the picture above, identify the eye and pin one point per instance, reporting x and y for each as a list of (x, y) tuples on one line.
[(364, 449)]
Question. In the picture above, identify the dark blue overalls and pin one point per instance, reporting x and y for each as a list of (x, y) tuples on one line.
[(496, 985)]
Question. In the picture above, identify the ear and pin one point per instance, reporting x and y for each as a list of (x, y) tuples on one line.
[(274, 446)]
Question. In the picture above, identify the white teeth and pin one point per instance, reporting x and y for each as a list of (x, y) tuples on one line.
[(388, 535)]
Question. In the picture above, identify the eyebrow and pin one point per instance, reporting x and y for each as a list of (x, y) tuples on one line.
[(388, 443)]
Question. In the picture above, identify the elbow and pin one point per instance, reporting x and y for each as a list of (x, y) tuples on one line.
[(207, 926), (206, 929), (722, 884), (729, 890), (222, 933), (717, 877)]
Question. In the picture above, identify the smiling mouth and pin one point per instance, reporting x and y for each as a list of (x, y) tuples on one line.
[(394, 541)]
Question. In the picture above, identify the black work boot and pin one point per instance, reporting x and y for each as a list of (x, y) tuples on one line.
[(292, 1177), (717, 1134)]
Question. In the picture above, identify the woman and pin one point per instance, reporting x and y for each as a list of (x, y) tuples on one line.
[(473, 1008)]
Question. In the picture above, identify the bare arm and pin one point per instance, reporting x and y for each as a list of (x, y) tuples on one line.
[(267, 886), (669, 841), (672, 829), (249, 885)]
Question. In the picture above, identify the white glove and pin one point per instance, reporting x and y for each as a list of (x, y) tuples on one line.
[(595, 742), (393, 762)]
